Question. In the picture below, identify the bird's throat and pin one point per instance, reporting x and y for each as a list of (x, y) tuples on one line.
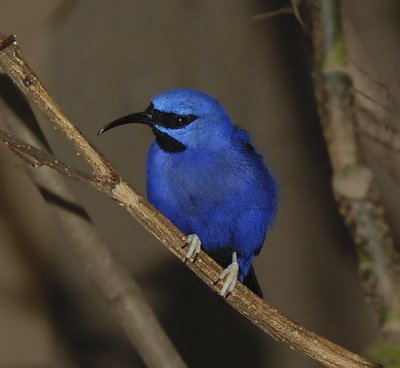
[(168, 143)]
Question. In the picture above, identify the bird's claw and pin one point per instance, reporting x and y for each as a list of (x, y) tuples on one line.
[(194, 243), (230, 274)]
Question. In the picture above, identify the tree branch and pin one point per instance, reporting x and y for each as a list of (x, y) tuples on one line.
[(104, 268), (353, 182), (269, 319)]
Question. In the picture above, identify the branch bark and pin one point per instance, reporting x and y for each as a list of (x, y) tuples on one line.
[(353, 182), (269, 319), (106, 271)]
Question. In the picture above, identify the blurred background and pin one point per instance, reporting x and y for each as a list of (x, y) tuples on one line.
[(101, 60)]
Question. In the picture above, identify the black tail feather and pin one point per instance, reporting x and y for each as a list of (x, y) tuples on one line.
[(251, 282)]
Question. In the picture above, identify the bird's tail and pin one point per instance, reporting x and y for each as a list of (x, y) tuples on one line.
[(251, 282)]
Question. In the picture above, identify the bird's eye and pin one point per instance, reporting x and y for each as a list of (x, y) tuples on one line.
[(169, 119), (180, 121), (174, 121), (187, 119)]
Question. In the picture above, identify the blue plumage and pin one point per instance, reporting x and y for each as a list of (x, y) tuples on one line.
[(204, 174)]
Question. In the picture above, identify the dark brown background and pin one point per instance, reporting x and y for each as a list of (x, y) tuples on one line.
[(103, 59)]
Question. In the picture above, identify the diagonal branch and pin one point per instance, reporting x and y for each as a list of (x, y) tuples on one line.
[(105, 269), (269, 319), (28, 82)]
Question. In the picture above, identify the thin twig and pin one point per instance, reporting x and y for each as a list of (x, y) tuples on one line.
[(294, 9), (109, 275), (272, 14), (376, 102), (385, 135), (269, 319), (36, 157)]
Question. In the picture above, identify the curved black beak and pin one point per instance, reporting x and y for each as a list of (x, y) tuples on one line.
[(136, 118)]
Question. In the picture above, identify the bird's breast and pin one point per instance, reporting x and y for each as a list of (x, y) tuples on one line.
[(201, 181), (206, 193)]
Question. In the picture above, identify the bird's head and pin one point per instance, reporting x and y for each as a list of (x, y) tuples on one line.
[(181, 118)]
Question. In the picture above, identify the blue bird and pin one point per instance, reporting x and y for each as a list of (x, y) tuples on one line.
[(205, 175)]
